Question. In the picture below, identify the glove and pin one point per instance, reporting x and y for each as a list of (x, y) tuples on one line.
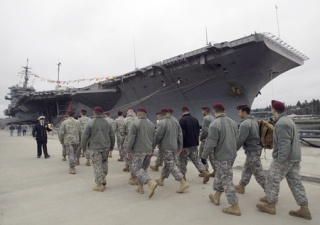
[(204, 161)]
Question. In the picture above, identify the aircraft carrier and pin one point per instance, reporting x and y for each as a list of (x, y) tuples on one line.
[(230, 72)]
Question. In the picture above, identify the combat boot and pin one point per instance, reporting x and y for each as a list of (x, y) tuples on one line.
[(160, 181), (239, 188), (302, 212), (267, 208), (215, 198), (120, 160), (213, 174), (140, 189), (64, 158), (110, 154), (77, 161), (155, 168), (152, 186), (233, 210), (88, 162), (126, 168), (206, 176), (133, 181), (104, 181), (99, 187), (72, 170), (183, 186), (264, 199), (200, 175)]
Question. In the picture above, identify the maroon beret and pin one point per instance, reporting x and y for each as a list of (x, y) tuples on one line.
[(170, 110), (120, 113), (278, 105), (141, 109), (164, 110), (205, 107), (98, 108), (83, 110), (242, 107), (218, 106), (70, 111), (185, 108)]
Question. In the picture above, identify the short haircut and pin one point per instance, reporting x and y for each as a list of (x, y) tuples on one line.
[(246, 109), (219, 110)]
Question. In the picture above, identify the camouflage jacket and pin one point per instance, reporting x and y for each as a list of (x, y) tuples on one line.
[(120, 127), (83, 121), (70, 131), (248, 135), (205, 126), (128, 122), (112, 122)]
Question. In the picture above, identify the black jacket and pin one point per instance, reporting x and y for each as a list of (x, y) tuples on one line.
[(40, 132), (190, 130)]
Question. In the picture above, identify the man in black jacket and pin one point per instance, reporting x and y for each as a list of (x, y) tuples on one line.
[(190, 131), (39, 133)]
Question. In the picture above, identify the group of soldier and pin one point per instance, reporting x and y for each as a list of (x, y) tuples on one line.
[(178, 140)]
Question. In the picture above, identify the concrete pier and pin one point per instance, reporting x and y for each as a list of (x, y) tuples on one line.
[(42, 192)]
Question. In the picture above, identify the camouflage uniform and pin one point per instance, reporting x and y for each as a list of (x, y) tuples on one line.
[(286, 161), (169, 137), (141, 144), (203, 136), (128, 122), (70, 136), (191, 152), (99, 137), (100, 164), (222, 141), (83, 121), (120, 131), (248, 137), (223, 180)]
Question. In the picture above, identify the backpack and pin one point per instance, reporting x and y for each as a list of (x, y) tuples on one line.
[(266, 134)]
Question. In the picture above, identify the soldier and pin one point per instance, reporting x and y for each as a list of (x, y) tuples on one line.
[(159, 160), (190, 130), (248, 137), (207, 119), (286, 163), (222, 141), (99, 136), (169, 137), (120, 131), (131, 117), (39, 132), (83, 121), (70, 136), (109, 119), (140, 149), (64, 153)]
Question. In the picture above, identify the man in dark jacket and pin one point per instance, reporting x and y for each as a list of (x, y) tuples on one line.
[(190, 131), (286, 163), (39, 133)]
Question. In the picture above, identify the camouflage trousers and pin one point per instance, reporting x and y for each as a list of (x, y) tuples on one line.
[(169, 157), (253, 166), (291, 171), (64, 153), (212, 161), (191, 153), (120, 142), (223, 180), (139, 165), (159, 160), (72, 152), (126, 159), (100, 164)]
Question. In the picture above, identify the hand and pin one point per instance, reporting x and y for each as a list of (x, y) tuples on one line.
[(179, 150), (129, 156), (204, 161), (111, 149)]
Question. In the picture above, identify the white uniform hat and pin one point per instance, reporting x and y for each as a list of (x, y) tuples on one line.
[(41, 117)]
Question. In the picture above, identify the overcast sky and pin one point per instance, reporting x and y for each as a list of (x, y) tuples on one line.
[(95, 38)]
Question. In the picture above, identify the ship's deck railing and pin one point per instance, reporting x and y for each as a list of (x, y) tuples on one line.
[(284, 45)]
